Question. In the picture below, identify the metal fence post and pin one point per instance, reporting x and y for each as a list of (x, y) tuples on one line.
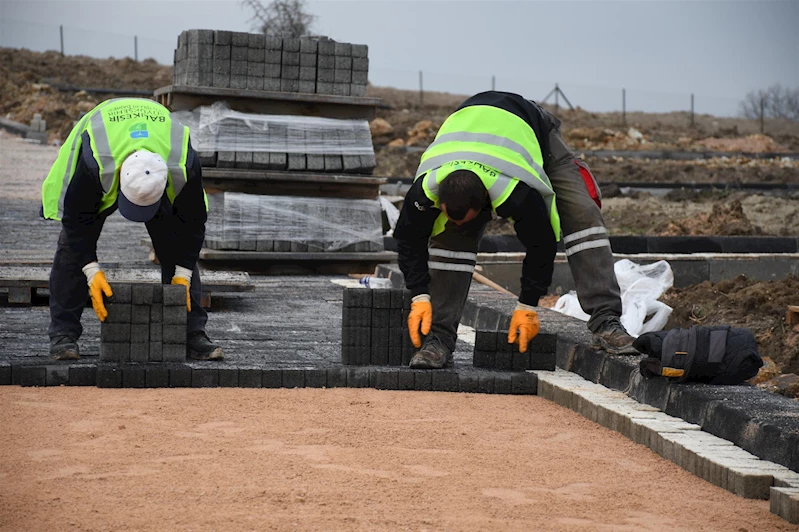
[(557, 90), (61, 31), (493, 83), (762, 114), (136, 48), (421, 89), (692, 109), (624, 106)]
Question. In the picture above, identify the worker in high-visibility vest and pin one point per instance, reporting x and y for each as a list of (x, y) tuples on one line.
[(128, 154), (502, 153)]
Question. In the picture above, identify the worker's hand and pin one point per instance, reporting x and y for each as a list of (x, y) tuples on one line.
[(421, 315), (98, 285), (524, 325), (183, 277)]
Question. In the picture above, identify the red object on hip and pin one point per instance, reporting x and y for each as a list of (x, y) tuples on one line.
[(590, 182)]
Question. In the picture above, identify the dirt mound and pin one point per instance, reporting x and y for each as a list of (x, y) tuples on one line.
[(751, 144), (741, 302), (27, 80), (723, 220)]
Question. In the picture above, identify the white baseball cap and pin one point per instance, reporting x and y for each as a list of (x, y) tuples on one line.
[(142, 181)]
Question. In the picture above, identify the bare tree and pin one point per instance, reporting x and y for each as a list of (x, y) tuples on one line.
[(280, 18), (776, 102)]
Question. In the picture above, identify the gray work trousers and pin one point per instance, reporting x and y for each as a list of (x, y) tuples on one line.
[(453, 253)]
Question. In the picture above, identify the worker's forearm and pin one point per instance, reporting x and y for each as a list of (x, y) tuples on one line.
[(412, 259)]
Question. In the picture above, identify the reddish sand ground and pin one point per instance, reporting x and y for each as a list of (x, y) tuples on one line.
[(233, 459)]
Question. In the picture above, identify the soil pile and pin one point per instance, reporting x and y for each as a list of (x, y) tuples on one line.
[(741, 302), (723, 220)]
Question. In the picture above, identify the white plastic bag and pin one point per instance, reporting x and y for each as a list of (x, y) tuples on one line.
[(640, 286)]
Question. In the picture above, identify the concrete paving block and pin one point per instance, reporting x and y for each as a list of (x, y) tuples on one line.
[(222, 37), (156, 377), (359, 50), (342, 77), (503, 383), (272, 70), (156, 314), (56, 375), (260, 161), (174, 334), (156, 331), (315, 378), (78, 375), (225, 159), (341, 89), (134, 377), (617, 372), (142, 294), (204, 378), (140, 314), (384, 379), (503, 360), (109, 377), (360, 78), (485, 383), (483, 359), (521, 361), (123, 293), (309, 87), (282, 246), (114, 332), (175, 316), (272, 378), (273, 43), (290, 59), (273, 57), (357, 89), (327, 47), (327, 62), (784, 502), (255, 70), (115, 352), (358, 377), (296, 161), (380, 317), (406, 380), (180, 376), (749, 483), (238, 54), (291, 45), (139, 333), (309, 46), (140, 352), (343, 63), (395, 356), (360, 64), (333, 163), (525, 383), (324, 88), (308, 60), (343, 49), (228, 377), (445, 380), (173, 352), (307, 73), (468, 382), (423, 379), (238, 82), (156, 352), (337, 377), (174, 295), (118, 313), (250, 378), (278, 161), (294, 378), (542, 361), (239, 38), (289, 85)]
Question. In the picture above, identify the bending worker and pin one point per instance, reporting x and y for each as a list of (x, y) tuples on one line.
[(128, 154), (499, 152)]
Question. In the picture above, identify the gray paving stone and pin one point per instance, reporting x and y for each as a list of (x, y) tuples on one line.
[(359, 50), (293, 378), (244, 158), (423, 379), (290, 59), (503, 383), (142, 294), (156, 351), (307, 73), (250, 378), (521, 361), (225, 159), (296, 161), (308, 60), (291, 45), (140, 314), (174, 296), (204, 378), (327, 47), (175, 315), (223, 37), (358, 377), (343, 49), (83, 375), (109, 377), (118, 313), (524, 383), (360, 64), (173, 352), (156, 377), (315, 162), (503, 360), (342, 77), (445, 381), (134, 377), (180, 376), (140, 352), (57, 375), (316, 378), (326, 62), (289, 85), (273, 43), (229, 377), (327, 75), (273, 57), (139, 333), (337, 377), (384, 379), (360, 78), (174, 334), (114, 332), (486, 383), (110, 352), (343, 63), (156, 314), (278, 161), (238, 82), (123, 293), (272, 378), (468, 382), (272, 70), (309, 46), (406, 380), (357, 89), (324, 88)]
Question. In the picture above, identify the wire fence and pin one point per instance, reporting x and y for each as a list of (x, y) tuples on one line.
[(94, 43)]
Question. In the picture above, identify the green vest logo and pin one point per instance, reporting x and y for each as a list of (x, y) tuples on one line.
[(139, 131)]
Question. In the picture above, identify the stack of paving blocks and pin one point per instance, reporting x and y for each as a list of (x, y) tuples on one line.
[(37, 129), (374, 327), (224, 59), (492, 351), (145, 323), (249, 222)]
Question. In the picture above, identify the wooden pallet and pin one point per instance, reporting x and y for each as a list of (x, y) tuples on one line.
[(23, 282), (792, 315), (277, 183)]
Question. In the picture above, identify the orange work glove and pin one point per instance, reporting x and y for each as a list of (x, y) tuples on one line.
[(183, 277), (523, 324), (421, 315), (98, 285)]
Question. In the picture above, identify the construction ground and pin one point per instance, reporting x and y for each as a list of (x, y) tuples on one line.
[(357, 458)]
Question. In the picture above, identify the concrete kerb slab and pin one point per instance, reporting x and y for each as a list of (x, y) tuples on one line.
[(711, 458)]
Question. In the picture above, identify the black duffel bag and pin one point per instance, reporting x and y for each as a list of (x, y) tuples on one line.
[(712, 355)]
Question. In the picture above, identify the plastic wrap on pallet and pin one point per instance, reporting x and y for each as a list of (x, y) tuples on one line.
[(218, 128), (324, 224)]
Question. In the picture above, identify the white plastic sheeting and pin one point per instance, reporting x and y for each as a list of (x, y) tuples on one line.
[(640, 286), (218, 128)]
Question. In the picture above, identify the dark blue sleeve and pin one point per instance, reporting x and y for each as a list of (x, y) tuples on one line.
[(412, 233), (190, 214)]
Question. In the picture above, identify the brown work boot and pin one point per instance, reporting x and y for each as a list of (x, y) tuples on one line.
[(64, 348), (200, 347), (613, 339), (433, 355)]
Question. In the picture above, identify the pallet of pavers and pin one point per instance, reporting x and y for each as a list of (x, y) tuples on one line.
[(22, 282), (374, 331), (250, 222)]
